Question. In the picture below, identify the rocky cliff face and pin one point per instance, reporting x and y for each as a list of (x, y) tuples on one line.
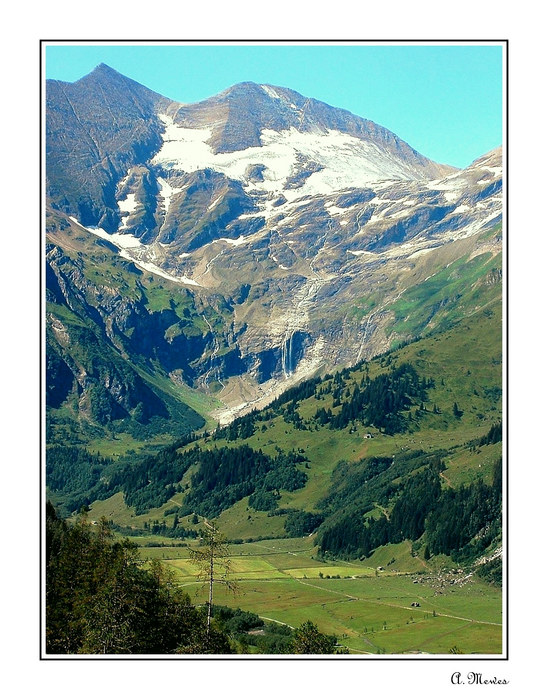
[(265, 235), (96, 129)]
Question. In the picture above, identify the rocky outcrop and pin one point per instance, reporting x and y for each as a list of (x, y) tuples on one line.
[(96, 129)]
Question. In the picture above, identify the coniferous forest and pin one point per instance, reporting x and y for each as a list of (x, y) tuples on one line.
[(458, 522), (100, 600)]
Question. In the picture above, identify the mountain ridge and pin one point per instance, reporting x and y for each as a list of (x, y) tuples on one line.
[(119, 97), (291, 255), (300, 112)]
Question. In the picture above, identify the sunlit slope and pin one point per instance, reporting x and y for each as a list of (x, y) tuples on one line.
[(463, 370)]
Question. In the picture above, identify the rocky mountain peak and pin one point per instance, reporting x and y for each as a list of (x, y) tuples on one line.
[(103, 76), (302, 222), (242, 116)]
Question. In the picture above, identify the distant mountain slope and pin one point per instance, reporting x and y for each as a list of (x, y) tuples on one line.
[(392, 449), (100, 375), (96, 128), (105, 123), (278, 236)]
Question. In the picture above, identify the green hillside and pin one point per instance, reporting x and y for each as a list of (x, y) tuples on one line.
[(110, 329), (379, 485), (279, 471)]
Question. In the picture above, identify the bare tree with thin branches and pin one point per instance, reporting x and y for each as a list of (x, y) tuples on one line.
[(214, 565)]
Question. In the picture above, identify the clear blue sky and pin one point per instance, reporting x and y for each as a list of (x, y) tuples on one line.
[(446, 101)]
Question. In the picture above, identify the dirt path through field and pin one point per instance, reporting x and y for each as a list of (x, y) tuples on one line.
[(395, 605)]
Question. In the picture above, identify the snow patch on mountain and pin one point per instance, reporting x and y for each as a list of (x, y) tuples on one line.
[(132, 249), (127, 206), (120, 240), (333, 210), (344, 161), (151, 267), (234, 241), (461, 208), (359, 253), (271, 92), (418, 253), (167, 192)]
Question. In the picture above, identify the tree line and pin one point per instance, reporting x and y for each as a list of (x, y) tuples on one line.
[(461, 523), (226, 475)]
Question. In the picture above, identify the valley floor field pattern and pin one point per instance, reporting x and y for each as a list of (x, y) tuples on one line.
[(371, 611)]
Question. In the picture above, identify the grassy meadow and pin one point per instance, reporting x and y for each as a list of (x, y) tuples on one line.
[(386, 610)]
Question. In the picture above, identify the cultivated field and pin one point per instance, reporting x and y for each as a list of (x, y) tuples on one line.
[(371, 611)]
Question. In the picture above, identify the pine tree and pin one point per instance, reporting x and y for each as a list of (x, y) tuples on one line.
[(309, 640)]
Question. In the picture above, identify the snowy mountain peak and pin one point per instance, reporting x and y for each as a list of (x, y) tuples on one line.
[(279, 205), (239, 115)]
